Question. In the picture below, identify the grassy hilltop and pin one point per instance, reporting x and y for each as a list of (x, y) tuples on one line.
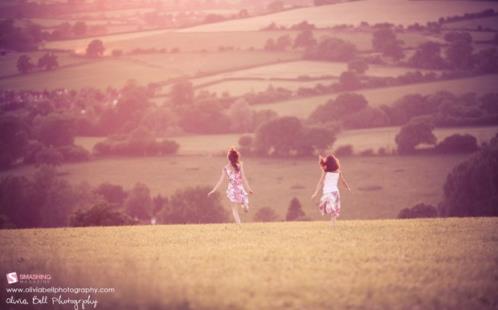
[(398, 264)]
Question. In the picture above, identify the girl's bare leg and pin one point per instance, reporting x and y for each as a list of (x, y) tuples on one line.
[(235, 214), (332, 220)]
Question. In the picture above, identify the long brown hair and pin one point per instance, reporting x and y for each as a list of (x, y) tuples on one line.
[(233, 157), (329, 163)]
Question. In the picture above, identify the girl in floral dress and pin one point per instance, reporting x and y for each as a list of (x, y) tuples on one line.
[(236, 192), (330, 202)]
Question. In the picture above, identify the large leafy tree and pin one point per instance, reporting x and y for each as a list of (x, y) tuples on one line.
[(418, 130), (471, 189)]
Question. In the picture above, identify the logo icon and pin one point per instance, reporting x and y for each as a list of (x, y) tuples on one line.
[(12, 278)]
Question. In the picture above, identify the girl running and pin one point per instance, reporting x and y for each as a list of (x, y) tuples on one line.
[(236, 192), (330, 202)]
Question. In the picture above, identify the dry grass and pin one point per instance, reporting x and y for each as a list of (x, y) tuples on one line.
[(403, 264)]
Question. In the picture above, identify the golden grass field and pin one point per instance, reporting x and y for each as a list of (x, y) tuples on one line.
[(303, 107), (381, 186), (398, 12), (388, 264)]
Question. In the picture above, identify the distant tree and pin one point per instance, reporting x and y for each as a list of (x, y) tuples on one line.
[(428, 55), (48, 61), (54, 129), (113, 194), (359, 66), (332, 49), (459, 51), (295, 211), (191, 205), (471, 187), (241, 115), (182, 93), (100, 215), (418, 130), (486, 61), (314, 140), (384, 40), (349, 81), (458, 144), (283, 43), (420, 210), (13, 139), (278, 136), (265, 214), (24, 64), (305, 39), (49, 156), (95, 48), (336, 110), (79, 28), (138, 204)]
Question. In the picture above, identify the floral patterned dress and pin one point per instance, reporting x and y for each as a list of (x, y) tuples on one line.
[(235, 191)]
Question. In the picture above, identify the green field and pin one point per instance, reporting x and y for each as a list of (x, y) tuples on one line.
[(398, 12), (144, 69), (381, 185), (212, 41), (390, 264), (303, 107), (360, 139)]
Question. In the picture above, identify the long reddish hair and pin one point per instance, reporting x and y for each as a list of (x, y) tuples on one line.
[(233, 156), (329, 163)]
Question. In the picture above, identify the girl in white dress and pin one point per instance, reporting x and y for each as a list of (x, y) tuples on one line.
[(330, 202), (235, 192)]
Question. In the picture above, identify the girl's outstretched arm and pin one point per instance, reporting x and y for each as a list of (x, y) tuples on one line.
[(343, 179), (222, 176), (245, 179), (318, 185)]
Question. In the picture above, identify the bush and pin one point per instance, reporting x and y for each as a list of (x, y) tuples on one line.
[(49, 156), (335, 110), (265, 214), (74, 153), (417, 131), (113, 194), (420, 210), (458, 144), (471, 187), (100, 215), (295, 211), (344, 150), (138, 204), (191, 205)]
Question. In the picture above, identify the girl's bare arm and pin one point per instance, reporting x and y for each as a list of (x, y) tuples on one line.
[(318, 185), (343, 179), (222, 176), (245, 179)]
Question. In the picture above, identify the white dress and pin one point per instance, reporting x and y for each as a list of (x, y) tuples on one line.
[(330, 202)]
